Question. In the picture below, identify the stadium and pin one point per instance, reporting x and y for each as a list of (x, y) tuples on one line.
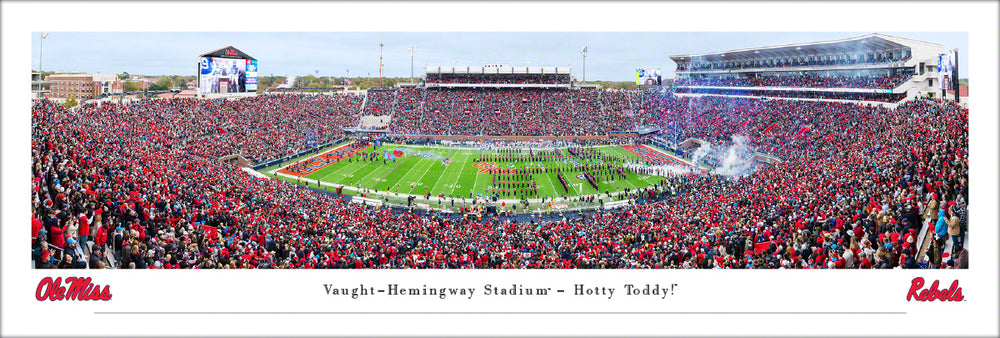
[(846, 154)]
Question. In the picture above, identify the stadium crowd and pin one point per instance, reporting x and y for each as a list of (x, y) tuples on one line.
[(259, 128), (872, 59), (138, 185), (805, 81), (520, 112), (379, 102), (872, 97)]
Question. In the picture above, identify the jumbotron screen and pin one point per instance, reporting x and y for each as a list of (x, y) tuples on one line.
[(223, 75), (650, 77), (946, 65)]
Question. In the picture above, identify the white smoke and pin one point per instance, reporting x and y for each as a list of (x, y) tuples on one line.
[(738, 161), (678, 169), (663, 169), (701, 152)]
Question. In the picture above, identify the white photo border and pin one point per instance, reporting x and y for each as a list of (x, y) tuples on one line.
[(706, 302)]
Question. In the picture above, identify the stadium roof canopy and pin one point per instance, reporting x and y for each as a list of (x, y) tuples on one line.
[(496, 70), (228, 52), (865, 43)]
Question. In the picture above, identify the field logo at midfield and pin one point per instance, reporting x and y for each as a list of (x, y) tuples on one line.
[(580, 176), (485, 167)]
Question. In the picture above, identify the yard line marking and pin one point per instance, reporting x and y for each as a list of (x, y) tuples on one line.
[(342, 168), (475, 185), (555, 191), (431, 189), (458, 177), (366, 165), (420, 162), (408, 158)]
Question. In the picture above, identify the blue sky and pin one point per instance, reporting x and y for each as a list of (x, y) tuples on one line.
[(612, 56)]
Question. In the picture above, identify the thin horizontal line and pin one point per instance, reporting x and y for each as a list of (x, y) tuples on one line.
[(485, 313)]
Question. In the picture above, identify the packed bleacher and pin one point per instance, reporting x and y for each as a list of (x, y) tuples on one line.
[(138, 186), (522, 112), (871, 97), (783, 63), (379, 102), (804, 81)]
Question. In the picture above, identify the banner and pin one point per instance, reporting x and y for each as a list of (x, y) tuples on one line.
[(761, 247), (945, 66), (769, 127)]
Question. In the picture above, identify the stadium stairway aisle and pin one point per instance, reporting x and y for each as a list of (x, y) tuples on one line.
[(927, 235), (80, 251), (363, 103), (924, 238)]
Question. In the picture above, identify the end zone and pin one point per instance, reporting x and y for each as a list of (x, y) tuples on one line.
[(320, 161), (655, 156)]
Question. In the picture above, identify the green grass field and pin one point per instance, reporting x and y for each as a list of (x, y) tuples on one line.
[(417, 175)]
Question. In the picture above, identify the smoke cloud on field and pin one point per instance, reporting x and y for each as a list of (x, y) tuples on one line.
[(700, 153), (738, 160)]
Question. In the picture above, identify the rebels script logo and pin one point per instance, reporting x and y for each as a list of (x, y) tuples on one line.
[(951, 294), (79, 289)]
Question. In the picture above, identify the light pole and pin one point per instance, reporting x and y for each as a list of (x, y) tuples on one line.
[(583, 51), (380, 64), (41, 77), (413, 50)]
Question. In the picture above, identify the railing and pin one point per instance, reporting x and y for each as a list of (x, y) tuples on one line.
[(800, 89), (495, 85), (901, 63)]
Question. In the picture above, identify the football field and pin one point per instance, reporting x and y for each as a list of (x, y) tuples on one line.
[(461, 172)]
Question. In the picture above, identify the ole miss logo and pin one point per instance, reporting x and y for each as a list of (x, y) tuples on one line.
[(79, 288), (951, 294), (484, 167), (231, 52)]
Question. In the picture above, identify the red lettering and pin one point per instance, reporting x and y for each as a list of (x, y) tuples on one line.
[(79, 289), (106, 293), (952, 294), (915, 285), (956, 292), (47, 283), (932, 292), (60, 291)]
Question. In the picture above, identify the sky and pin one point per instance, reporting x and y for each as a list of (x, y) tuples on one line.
[(612, 56)]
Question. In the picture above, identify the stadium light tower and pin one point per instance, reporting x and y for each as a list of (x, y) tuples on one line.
[(413, 51), (380, 64), (40, 77), (583, 52)]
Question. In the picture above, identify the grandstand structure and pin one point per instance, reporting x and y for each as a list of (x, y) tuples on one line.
[(496, 102), (497, 76), (875, 68)]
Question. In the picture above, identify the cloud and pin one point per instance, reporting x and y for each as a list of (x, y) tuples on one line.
[(612, 55)]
